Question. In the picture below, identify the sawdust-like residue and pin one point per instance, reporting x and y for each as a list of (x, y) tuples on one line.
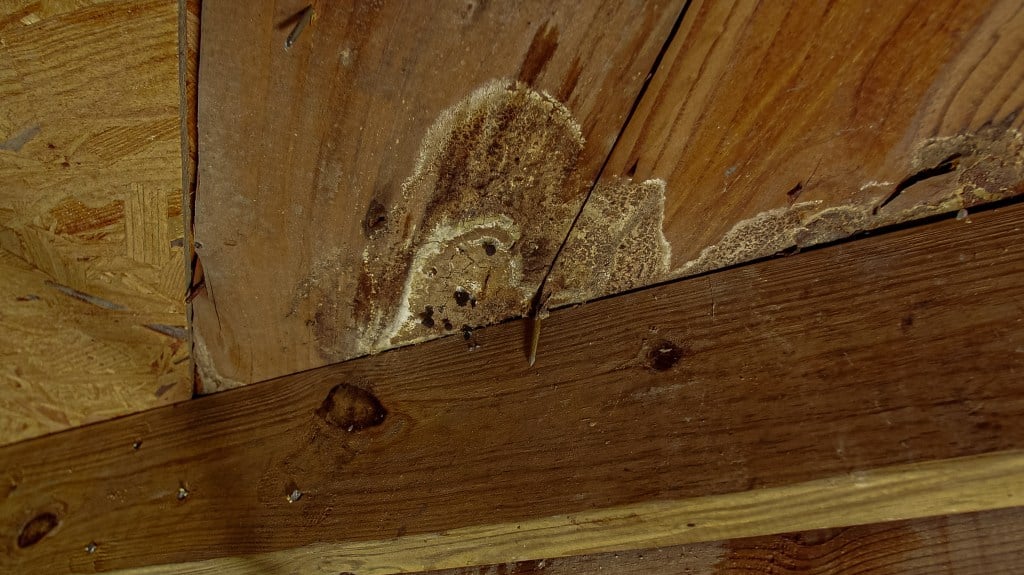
[(209, 381), (945, 175), (616, 245), (491, 196)]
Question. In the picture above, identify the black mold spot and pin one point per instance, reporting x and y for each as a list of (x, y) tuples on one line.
[(664, 355), (447, 324), (427, 316), (351, 408), (490, 249), (462, 297), (37, 528)]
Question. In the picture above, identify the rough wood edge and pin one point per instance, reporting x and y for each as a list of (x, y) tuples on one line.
[(950, 486)]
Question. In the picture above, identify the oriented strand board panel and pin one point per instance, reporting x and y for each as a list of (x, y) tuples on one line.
[(775, 125), (987, 543), (831, 387), (91, 300), (373, 174)]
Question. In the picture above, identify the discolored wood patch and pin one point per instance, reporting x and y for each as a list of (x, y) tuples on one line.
[(616, 245), (496, 181)]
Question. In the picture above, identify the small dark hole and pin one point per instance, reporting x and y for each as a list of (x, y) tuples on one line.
[(664, 355)]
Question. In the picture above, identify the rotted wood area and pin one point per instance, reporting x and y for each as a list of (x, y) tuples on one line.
[(693, 398)]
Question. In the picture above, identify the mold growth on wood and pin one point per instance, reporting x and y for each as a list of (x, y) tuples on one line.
[(946, 174), (616, 245), (491, 197)]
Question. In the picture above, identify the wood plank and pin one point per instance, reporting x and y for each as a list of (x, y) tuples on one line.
[(91, 298), (401, 170), (893, 350), (906, 491), (770, 126), (969, 544)]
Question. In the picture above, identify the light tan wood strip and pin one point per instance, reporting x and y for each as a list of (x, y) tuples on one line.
[(981, 543)]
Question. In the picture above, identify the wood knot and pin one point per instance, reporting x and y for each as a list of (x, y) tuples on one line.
[(37, 528), (351, 408), (664, 355)]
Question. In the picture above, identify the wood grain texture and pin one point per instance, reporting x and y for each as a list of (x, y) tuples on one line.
[(893, 350), (775, 125), (92, 309), (359, 189), (968, 544), (906, 491)]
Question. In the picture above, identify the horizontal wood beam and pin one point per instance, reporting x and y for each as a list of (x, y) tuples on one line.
[(897, 492), (898, 350), (968, 544)]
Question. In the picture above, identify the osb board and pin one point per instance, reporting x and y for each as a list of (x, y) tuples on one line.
[(91, 299), (986, 543), (775, 125), (401, 170), (795, 393)]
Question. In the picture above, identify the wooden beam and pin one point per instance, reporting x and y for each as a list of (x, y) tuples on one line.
[(770, 126), (400, 170), (897, 492), (968, 544), (91, 233), (894, 350)]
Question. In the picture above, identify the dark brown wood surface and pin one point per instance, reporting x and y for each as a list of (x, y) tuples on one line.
[(986, 543), (891, 350)]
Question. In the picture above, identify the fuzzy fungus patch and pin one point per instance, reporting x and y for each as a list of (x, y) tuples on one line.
[(492, 194), (616, 245), (945, 174)]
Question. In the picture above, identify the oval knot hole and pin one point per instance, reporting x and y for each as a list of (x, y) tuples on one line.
[(664, 355), (351, 408), (37, 528)]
